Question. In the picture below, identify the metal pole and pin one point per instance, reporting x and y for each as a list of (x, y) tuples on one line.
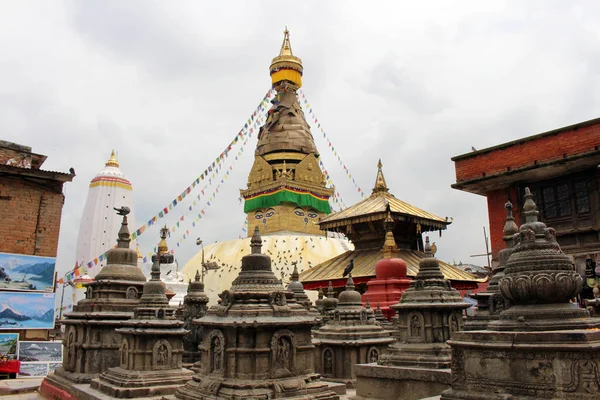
[(62, 297), (487, 249)]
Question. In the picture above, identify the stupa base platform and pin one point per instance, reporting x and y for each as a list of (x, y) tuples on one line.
[(493, 365), (122, 383), (305, 387), (63, 384), (399, 383), (417, 355)]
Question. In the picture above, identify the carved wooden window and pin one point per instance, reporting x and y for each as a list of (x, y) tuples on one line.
[(582, 198)]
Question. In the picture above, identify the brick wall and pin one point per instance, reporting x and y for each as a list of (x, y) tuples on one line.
[(541, 149), (497, 216), (30, 216)]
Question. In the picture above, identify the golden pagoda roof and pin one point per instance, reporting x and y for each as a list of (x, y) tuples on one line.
[(112, 161), (364, 266), (374, 208)]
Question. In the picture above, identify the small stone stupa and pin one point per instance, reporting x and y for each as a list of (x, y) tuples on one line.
[(351, 337), (296, 287), (194, 307), (256, 344), (417, 364), (91, 345), (491, 302), (150, 351), (543, 346)]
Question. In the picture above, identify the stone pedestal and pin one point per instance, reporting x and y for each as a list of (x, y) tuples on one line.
[(429, 312), (542, 347), (91, 345), (257, 342), (382, 382), (389, 284), (351, 336)]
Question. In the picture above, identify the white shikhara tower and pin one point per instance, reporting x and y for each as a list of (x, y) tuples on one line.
[(99, 222)]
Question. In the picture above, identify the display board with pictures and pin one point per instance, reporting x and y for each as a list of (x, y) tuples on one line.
[(9, 346), (39, 358), (40, 351), (20, 272), (26, 310), (33, 370)]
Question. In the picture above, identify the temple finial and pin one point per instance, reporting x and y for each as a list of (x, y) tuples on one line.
[(427, 248), (295, 275), (112, 161), (350, 282), (390, 248), (124, 237), (256, 241), (286, 67), (510, 227), (286, 47), (155, 271), (380, 185), (529, 207)]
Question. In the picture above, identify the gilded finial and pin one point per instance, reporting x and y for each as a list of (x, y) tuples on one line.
[(163, 248), (380, 185), (286, 47), (390, 248), (286, 67), (112, 161)]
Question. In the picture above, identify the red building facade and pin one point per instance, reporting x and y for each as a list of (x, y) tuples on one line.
[(561, 169)]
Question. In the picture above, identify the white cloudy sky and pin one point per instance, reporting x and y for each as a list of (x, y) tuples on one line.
[(169, 83)]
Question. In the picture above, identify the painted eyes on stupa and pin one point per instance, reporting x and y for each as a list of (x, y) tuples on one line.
[(258, 215), (312, 214), (270, 212), (299, 212)]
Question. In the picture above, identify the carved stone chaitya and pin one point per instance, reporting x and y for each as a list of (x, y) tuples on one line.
[(543, 346), (194, 307), (351, 337), (150, 350), (491, 302), (300, 296), (256, 343), (91, 344), (416, 364)]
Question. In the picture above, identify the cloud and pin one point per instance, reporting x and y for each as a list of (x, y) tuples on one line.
[(168, 85)]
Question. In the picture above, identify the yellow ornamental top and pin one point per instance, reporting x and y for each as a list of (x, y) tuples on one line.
[(286, 66), (112, 161), (163, 248)]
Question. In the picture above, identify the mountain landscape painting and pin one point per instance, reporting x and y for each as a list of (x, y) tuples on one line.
[(33, 370), (30, 273), (26, 310), (40, 351), (9, 343)]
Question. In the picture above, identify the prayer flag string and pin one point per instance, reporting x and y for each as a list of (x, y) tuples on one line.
[(308, 109), (76, 271)]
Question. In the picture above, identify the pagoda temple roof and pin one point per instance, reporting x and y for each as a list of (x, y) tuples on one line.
[(364, 267), (374, 208)]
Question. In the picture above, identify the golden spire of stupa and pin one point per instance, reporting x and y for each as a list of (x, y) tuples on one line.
[(380, 185), (112, 161), (286, 66), (163, 248)]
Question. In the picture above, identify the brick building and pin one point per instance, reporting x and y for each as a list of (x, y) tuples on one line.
[(561, 169), (31, 201)]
